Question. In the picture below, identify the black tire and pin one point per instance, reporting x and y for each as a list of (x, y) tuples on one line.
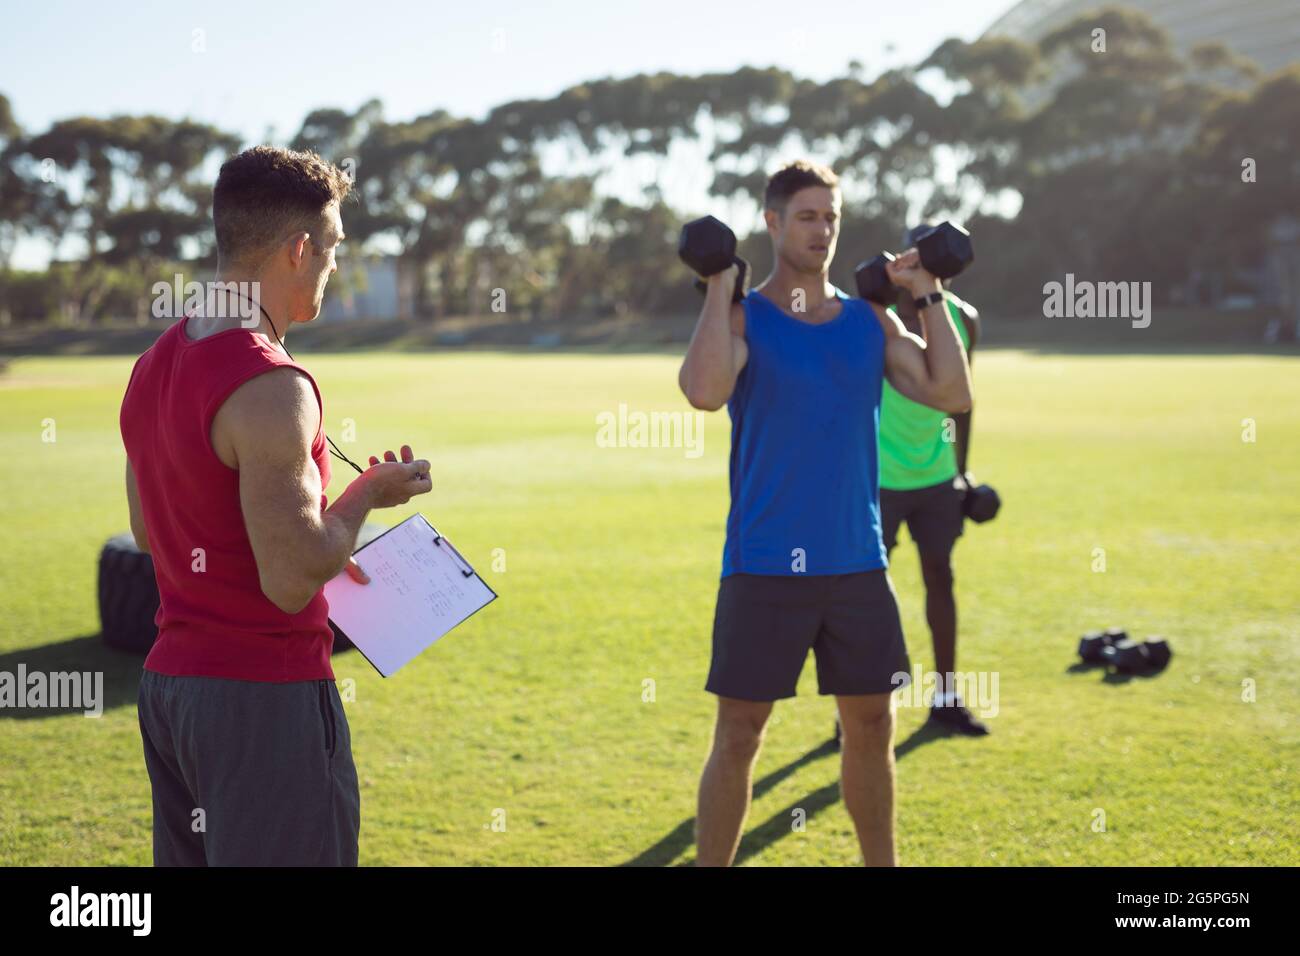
[(128, 594)]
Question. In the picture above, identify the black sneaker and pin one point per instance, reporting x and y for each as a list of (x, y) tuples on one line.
[(959, 719)]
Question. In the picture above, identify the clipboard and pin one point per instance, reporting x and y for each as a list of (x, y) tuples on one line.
[(421, 587)]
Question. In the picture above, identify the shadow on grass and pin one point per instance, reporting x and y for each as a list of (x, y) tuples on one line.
[(1111, 676), (682, 837), (77, 655)]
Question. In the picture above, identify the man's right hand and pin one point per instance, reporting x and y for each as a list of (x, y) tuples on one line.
[(908, 273), (726, 279), (392, 482)]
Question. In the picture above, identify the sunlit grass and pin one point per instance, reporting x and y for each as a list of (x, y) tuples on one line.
[(535, 706)]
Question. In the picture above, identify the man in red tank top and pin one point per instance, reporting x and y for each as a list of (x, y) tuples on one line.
[(245, 740)]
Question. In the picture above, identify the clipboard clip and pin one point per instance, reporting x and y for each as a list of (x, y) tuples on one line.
[(447, 546)]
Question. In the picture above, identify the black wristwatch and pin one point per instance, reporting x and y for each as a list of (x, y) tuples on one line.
[(931, 299)]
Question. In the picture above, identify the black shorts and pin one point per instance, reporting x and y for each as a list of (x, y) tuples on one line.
[(765, 624), (934, 515)]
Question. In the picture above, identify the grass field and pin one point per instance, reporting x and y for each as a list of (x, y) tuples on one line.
[(535, 706)]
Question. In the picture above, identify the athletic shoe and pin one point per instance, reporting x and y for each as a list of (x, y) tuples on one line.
[(959, 719)]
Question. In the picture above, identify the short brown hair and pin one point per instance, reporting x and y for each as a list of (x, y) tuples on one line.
[(266, 193), (798, 175)]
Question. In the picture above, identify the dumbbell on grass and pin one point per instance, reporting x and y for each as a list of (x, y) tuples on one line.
[(1124, 655), (708, 246), (1129, 657), (1094, 643), (1158, 653), (945, 252)]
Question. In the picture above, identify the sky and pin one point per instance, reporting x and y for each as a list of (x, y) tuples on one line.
[(263, 64), (258, 68)]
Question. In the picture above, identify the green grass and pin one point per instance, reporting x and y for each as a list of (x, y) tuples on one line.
[(612, 555)]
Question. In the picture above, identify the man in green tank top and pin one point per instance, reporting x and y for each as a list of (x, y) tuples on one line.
[(923, 482)]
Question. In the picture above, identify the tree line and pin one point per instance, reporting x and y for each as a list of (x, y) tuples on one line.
[(1099, 151)]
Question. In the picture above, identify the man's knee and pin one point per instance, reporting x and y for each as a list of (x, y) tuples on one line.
[(868, 728), (936, 571), (739, 732)]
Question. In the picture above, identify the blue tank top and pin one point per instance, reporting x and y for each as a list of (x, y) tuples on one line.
[(805, 471)]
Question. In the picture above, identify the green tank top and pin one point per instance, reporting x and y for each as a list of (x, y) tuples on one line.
[(913, 453)]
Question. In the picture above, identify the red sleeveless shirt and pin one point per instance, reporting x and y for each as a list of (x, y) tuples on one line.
[(213, 619)]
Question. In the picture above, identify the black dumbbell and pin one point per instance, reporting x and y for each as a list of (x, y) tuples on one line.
[(1125, 655), (873, 280), (1092, 644), (708, 246), (981, 503), (1158, 653), (945, 252), (1130, 657)]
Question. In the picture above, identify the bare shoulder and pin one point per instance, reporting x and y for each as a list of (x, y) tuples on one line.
[(272, 415)]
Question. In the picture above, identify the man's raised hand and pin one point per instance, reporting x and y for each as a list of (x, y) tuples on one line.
[(392, 482)]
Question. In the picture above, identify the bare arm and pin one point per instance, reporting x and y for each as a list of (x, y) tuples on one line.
[(717, 352), (269, 423), (932, 369), (963, 419), (138, 529), (962, 422)]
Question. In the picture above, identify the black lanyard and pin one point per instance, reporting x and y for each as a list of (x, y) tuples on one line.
[(334, 449)]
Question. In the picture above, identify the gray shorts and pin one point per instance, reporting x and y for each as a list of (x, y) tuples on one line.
[(246, 773)]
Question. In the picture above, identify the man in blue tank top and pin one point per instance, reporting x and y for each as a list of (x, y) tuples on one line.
[(800, 366)]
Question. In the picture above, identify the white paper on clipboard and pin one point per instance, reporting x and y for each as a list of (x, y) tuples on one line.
[(420, 588)]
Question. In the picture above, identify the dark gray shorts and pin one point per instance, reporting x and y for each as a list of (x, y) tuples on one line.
[(765, 625), (269, 765), (934, 515)]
